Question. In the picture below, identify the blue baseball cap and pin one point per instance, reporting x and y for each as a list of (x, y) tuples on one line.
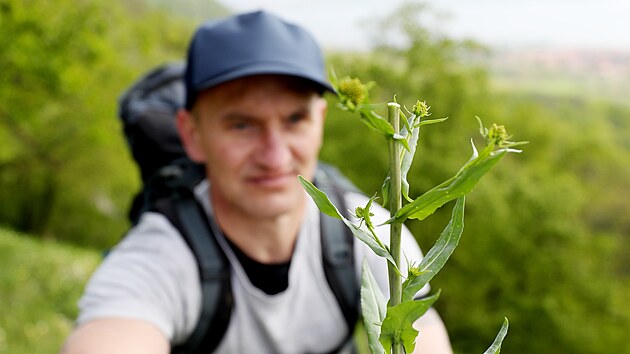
[(254, 43)]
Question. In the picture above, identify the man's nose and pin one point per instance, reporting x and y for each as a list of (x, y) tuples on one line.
[(274, 151)]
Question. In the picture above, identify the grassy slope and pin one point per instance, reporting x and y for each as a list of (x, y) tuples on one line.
[(40, 283)]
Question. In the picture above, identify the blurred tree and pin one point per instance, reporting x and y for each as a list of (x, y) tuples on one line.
[(64, 169)]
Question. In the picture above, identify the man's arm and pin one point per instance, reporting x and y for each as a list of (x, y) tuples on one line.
[(116, 335), (145, 295), (432, 337)]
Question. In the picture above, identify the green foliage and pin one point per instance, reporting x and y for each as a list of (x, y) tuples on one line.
[(455, 187), (397, 325), (437, 256), (396, 331), (40, 283), (495, 347), (374, 307), (545, 235), (396, 328), (354, 97), (65, 172), (325, 206)]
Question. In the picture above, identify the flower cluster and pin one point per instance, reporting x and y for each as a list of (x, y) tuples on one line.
[(352, 92), (421, 109), (497, 135)]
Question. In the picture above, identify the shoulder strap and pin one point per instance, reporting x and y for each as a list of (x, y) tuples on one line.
[(188, 216), (337, 245)]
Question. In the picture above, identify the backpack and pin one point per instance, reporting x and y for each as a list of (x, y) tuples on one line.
[(147, 111)]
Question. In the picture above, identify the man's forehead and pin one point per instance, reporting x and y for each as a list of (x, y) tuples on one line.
[(290, 83), (259, 91), (251, 85)]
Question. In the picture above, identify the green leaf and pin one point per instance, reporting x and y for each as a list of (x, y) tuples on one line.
[(495, 347), (327, 207), (398, 324), (376, 122), (432, 121), (369, 240), (385, 189), (438, 254), (408, 155), (401, 140), (406, 122), (332, 77), (455, 187), (320, 198), (411, 131), (374, 308)]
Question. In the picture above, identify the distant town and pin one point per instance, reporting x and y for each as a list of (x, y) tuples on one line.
[(599, 74), (607, 64)]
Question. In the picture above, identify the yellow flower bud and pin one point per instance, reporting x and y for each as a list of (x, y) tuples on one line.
[(352, 91), (497, 135), (420, 109)]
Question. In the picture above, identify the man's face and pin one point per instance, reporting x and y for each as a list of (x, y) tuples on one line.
[(255, 135)]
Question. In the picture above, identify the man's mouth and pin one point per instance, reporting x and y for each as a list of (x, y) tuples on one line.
[(276, 180)]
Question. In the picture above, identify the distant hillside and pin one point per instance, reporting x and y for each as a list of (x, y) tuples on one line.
[(597, 75)]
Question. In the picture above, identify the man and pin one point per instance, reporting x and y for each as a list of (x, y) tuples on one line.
[(254, 116)]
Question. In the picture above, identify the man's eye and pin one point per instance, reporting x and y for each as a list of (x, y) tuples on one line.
[(240, 125), (296, 118)]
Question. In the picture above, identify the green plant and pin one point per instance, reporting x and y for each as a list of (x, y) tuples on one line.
[(389, 324)]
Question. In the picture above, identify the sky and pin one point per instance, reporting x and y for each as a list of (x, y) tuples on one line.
[(585, 24)]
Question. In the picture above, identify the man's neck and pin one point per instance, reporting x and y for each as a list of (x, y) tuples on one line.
[(265, 240)]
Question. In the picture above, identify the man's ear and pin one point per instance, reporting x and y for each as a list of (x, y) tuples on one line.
[(189, 134), (322, 106)]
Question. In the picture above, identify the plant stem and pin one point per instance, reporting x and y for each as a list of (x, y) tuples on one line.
[(395, 203)]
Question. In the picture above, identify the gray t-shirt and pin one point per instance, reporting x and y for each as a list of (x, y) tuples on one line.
[(152, 276)]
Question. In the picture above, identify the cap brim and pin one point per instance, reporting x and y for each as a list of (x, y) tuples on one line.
[(263, 69)]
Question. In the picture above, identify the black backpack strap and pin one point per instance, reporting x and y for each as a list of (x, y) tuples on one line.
[(337, 246), (188, 216)]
